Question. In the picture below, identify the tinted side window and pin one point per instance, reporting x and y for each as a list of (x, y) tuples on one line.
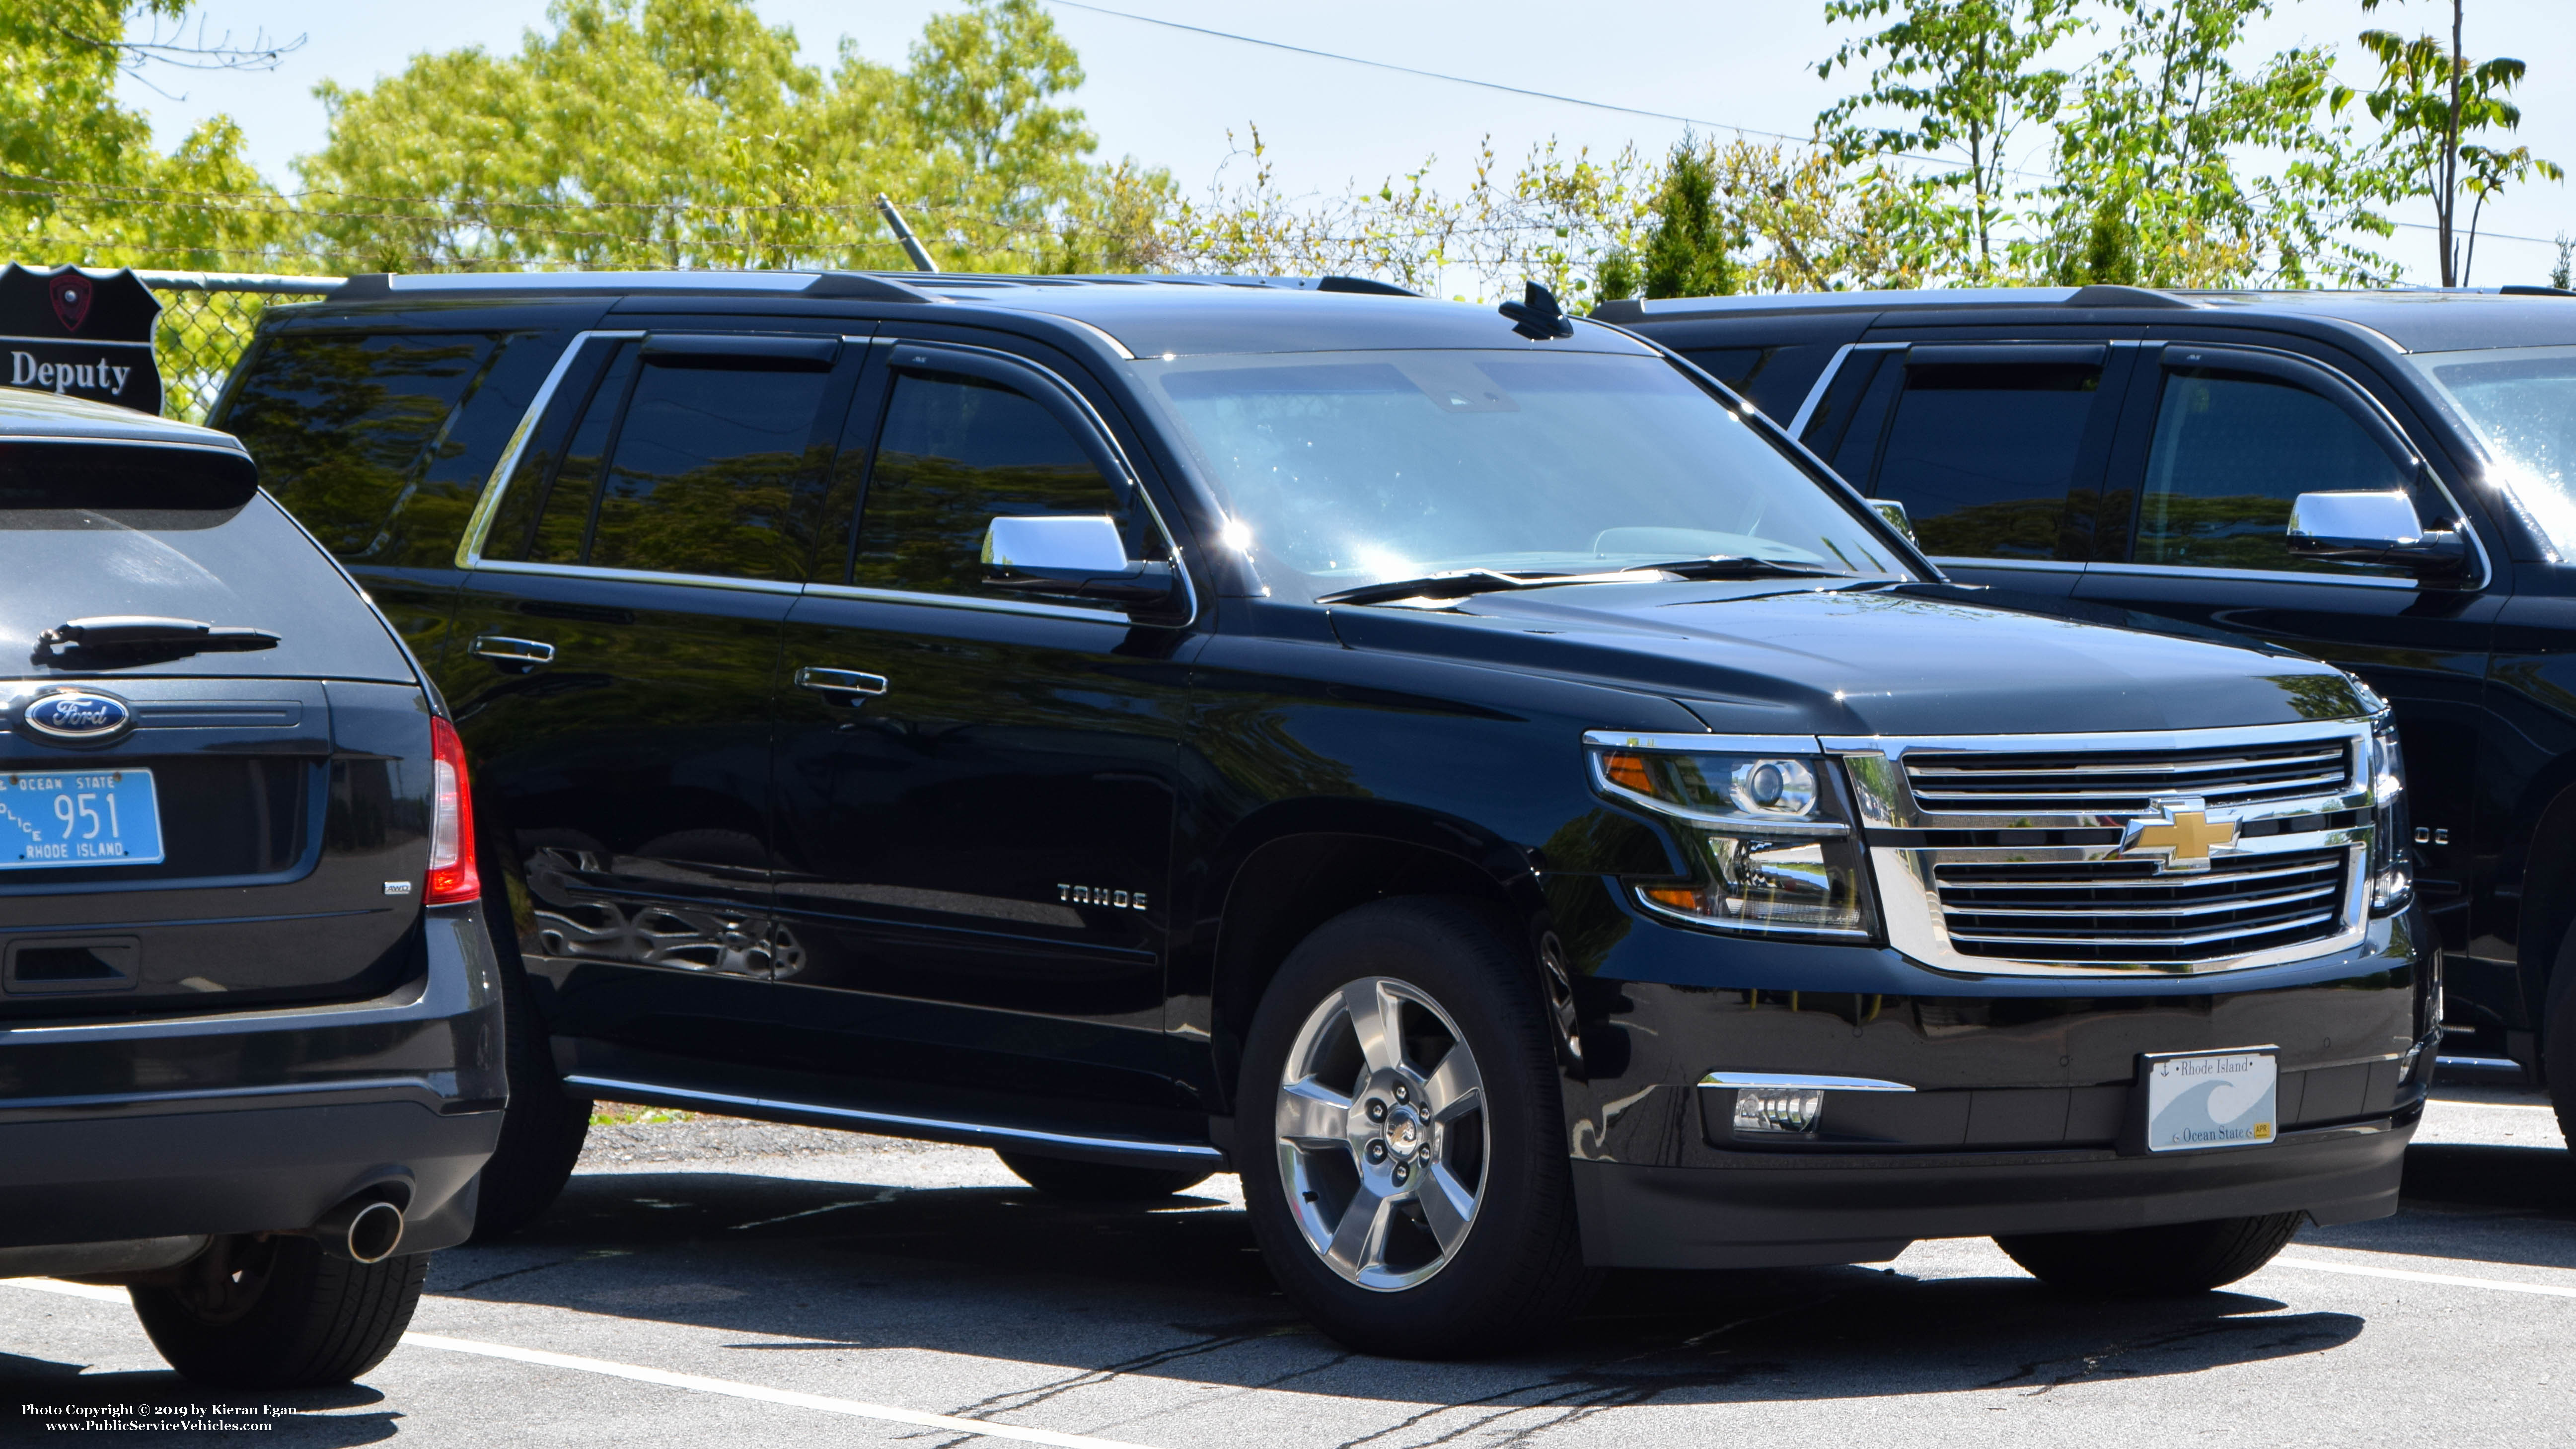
[(704, 475), (1983, 455), (955, 453), (2229, 455), (343, 424), (1774, 379)]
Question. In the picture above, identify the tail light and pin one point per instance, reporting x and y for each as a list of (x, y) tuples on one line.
[(452, 878)]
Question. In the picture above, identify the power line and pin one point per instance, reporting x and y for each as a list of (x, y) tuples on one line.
[(1444, 76)]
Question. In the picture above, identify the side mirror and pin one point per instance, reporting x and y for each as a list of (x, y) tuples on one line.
[(1896, 516), (1073, 558), (2370, 528)]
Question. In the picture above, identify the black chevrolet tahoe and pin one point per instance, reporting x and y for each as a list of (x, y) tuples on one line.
[(250, 1025), (2382, 480), (1467, 774)]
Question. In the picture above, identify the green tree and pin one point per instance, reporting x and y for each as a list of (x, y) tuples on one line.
[(1966, 77), (1688, 251), (665, 133), (80, 179), (2153, 182), (2429, 97)]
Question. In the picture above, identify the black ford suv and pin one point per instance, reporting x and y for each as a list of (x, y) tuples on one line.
[(2382, 480), (250, 1035), (1466, 774)]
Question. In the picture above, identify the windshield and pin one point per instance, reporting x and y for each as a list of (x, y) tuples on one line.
[(2521, 403), (1347, 468)]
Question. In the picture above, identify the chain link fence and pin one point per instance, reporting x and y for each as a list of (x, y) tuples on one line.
[(206, 322)]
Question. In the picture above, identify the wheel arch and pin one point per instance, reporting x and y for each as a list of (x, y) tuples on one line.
[(1308, 867)]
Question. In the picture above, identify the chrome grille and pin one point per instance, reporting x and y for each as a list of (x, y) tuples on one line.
[(2123, 782), (2181, 851), (2120, 911)]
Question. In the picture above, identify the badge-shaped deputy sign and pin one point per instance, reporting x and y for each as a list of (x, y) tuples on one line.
[(69, 332)]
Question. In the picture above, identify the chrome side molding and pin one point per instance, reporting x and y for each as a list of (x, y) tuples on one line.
[(895, 1124)]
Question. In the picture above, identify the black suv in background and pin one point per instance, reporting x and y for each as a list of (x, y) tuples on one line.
[(1464, 773), (2135, 455), (250, 1031)]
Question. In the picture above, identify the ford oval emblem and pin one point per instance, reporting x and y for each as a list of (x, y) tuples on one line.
[(77, 716)]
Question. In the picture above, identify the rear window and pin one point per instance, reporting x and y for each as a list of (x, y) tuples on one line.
[(94, 530)]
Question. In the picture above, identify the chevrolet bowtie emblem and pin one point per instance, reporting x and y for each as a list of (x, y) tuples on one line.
[(2180, 832)]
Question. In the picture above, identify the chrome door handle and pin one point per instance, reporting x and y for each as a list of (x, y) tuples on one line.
[(501, 649), (843, 684)]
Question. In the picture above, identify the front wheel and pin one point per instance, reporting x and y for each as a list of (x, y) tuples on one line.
[(276, 1313), (1402, 1143), (2161, 1262)]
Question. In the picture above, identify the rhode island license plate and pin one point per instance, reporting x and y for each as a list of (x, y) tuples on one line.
[(78, 817), (2199, 1100)]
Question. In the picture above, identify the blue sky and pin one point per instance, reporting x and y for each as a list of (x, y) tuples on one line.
[(1169, 97)]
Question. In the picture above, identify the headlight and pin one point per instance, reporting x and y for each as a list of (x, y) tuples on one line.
[(2392, 862), (1773, 848)]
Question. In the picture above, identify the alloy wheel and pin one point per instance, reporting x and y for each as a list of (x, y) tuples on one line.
[(1381, 1133)]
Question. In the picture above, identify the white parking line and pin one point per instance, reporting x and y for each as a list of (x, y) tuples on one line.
[(2498, 1106), (692, 1382), (2447, 1280), (731, 1389)]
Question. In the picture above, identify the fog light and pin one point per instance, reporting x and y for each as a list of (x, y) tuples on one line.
[(1778, 1109)]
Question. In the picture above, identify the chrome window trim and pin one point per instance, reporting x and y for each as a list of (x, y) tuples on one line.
[(1074, 612), (1904, 876), (1825, 379), (1796, 1080), (2300, 576), (1186, 1151), (640, 576), (469, 549)]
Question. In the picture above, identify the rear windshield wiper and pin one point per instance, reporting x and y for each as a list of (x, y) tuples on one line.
[(1460, 583), (135, 638)]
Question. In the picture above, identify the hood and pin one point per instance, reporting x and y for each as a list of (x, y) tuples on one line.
[(1767, 659)]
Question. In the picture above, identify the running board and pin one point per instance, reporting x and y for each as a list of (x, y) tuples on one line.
[(893, 1124)]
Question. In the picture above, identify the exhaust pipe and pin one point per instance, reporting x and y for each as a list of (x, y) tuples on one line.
[(361, 1230)]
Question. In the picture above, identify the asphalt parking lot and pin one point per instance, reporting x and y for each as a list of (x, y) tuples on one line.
[(710, 1283)]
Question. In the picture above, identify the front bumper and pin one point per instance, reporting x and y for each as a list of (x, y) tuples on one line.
[(2021, 1089), (1766, 1210), (260, 1121)]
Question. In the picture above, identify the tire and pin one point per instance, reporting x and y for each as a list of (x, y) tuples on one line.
[(2558, 1041), (1475, 1250), (543, 1128), (2163, 1262), (275, 1313), (1099, 1181)]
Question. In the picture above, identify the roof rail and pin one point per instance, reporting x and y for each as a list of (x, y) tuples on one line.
[(2530, 291), (2112, 294)]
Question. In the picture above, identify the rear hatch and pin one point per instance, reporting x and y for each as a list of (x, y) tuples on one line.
[(214, 758)]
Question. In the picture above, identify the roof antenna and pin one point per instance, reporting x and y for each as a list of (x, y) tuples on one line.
[(912, 246), (1537, 316)]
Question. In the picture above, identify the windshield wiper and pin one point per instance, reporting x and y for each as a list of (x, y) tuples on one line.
[(1459, 583), (133, 638)]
